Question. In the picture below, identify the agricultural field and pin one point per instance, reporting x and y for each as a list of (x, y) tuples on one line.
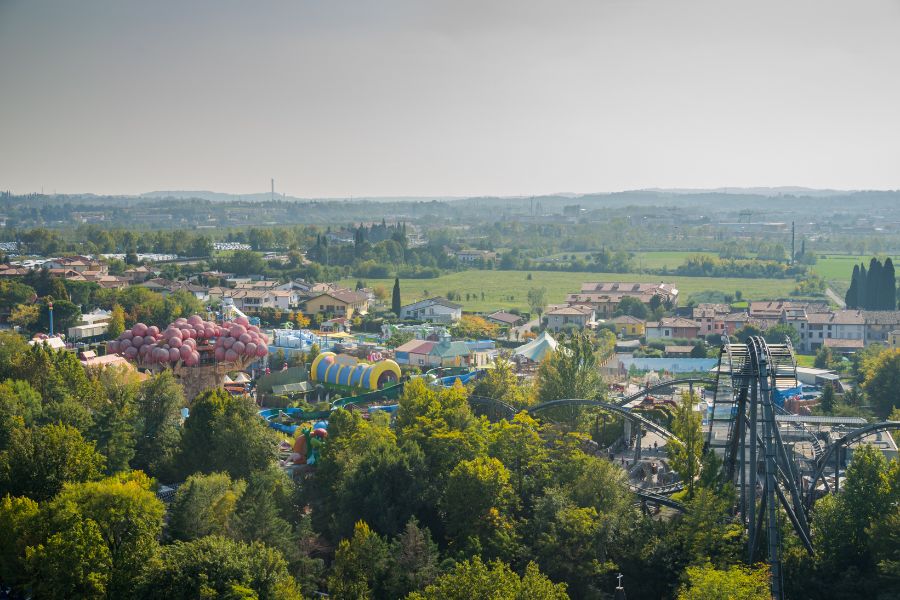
[(839, 267), (667, 260), (509, 289)]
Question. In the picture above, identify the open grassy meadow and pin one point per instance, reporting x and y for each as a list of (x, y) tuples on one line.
[(509, 289), (839, 267)]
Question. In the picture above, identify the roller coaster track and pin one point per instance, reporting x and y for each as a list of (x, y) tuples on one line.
[(843, 442), (646, 495), (662, 385), (614, 408)]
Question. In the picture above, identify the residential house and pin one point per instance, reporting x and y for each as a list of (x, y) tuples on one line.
[(673, 328), (138, 274), (504, 319), (250, 301), (472, 256), (257, 285), (893, 341), (711, 318), (738, 320), (339, 303), (9, 271), (843, 325), (879, 324), (578, 315), (254, 299), (628, 326), (604, 297), (80, 264), (165, 287), (433, 310)]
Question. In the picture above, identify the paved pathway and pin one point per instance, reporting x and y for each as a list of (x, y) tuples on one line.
[(835, 298)]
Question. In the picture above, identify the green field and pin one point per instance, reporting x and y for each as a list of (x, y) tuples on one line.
[(839, 267), (668, 260), (509, 289)]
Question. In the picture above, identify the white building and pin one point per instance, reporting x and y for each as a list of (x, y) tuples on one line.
[(579, 316), (434, 310)]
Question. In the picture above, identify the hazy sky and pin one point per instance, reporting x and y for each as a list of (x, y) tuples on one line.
[(458, 97)]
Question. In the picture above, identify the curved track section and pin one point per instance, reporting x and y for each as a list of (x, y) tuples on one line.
[(614, 408), (843, 442), (664, 384)]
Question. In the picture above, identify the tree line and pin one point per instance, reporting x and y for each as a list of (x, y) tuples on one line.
[(873, 289)]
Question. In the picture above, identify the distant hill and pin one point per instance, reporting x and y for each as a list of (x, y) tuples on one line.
[(266, 196), (640, 196), (758, 191)]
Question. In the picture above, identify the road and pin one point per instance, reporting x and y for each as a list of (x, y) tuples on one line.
[(521, 329), (835, 298)]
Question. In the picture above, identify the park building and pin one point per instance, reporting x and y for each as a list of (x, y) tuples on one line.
[(604, 297)]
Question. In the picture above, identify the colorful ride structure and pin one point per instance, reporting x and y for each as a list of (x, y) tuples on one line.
[(348, 372), (198, 352)]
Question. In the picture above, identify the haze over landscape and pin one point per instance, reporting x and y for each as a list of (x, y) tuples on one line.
[(425, 98)]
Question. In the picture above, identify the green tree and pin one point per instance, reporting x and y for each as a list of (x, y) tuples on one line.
[(217, 567), (777, 334), (501, 383), (518, 445), (633, 307), (824, 358), (158, 424), (19, 525), (570, 543), (113, 426), (396, 303), (128, 517), (882, 382), (116, 322), (72, 563), (827, 400), (537, 300), (736, 582), (570, 372), (360, 565), (475, 580), (39, 460), (25, 315), (20, 406), (414, 561), (13, 293), (224, 433), (204, 505), (477, 503), (686, 452), (704, 533), (244, 262)]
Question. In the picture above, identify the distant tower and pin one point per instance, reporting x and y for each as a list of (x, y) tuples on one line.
[(273, 189), (793, 242)]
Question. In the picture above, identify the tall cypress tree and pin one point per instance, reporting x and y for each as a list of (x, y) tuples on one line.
[(395, 298), (863, 285), (873, 285), (888, 286), (852, 295)]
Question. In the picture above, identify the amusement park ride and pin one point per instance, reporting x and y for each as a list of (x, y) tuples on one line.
[(760, 450)]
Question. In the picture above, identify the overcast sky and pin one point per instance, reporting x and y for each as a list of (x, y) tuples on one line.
[(459, 97)]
